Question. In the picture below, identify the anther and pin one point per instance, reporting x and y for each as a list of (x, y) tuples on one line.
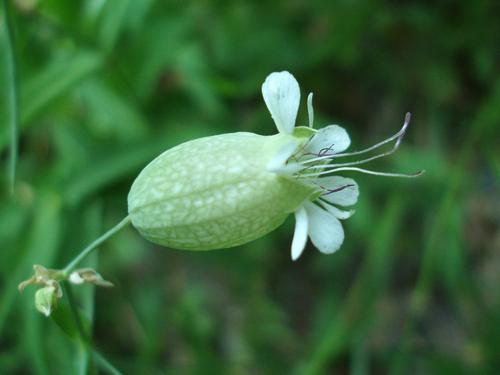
[(330, 191), (398, 137)]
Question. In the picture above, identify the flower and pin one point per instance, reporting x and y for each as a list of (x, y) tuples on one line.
[(226, 190), (318, 217)]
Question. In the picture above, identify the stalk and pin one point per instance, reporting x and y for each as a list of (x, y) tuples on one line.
[(71, 265)]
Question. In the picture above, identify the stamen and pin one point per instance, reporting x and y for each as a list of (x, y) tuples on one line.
[(398, 136), (367, 171), (310, 110), (324, 151), (387, 153), (330, 191)]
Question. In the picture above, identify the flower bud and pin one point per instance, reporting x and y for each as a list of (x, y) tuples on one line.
[(46, 298), (41, 276), (88, 275)]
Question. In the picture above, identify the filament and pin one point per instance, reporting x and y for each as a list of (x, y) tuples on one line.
[(387, 153), (366, 171), (331, 191), (398, 136)]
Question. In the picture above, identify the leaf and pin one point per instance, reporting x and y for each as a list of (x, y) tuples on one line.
[(8, 80), (112, 21), (40, 249), (110, 113), (54, 80), (63, 317), (105, 168)]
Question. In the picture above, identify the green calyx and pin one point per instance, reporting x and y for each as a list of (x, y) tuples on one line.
[(215, 192)]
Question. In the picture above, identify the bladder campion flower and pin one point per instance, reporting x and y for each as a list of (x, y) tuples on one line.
[(226, 190)]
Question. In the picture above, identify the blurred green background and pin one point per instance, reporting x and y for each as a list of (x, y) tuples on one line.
[(105, 86)]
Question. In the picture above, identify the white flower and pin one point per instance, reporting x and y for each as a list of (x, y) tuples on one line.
[(226, 190), (311, 161)]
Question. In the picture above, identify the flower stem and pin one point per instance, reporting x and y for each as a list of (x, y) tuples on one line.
[(84, 336), (71, 265), (104, 364), (74, 312)]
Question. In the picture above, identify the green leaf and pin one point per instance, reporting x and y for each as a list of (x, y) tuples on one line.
[(42, 249), (8, 81), (54, 80), (63, 317), (112, 21), (43, 239)]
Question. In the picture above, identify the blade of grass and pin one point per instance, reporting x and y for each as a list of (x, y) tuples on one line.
[(92, 224), (42, 246), (104, 364), (112, 22), (84, 337), (54, 80), (105, 168), (488, 115), (362, 295), (493, 160), (45, 223), (12, 109)]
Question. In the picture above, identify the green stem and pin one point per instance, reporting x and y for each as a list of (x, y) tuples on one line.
[(12, 94), (76, 316), (71, 265), (102, 362)]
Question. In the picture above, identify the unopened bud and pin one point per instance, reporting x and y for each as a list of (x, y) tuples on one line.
[(88, 275), (46, 298)]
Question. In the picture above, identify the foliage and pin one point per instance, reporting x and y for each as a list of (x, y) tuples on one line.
[(104, 86)]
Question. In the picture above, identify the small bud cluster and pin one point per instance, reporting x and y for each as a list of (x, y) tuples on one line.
[(49, 280), (46, 298)]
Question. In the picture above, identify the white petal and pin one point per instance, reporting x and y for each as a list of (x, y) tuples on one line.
[(338, 213), (331, 139), (310, 109), (282, 96), (347, 193), (325, 230), (300, 234)]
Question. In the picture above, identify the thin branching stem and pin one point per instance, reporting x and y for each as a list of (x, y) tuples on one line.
[(71, 265)]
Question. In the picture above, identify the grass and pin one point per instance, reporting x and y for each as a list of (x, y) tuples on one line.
[(11, 102), (92, 91)]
